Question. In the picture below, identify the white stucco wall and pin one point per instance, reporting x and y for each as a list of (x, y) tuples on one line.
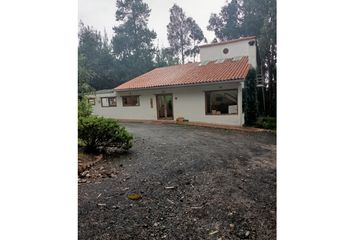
[(241, 48), (188, 102)]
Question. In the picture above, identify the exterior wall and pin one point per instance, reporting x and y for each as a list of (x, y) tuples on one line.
[(142, 112), (236, 49), (188, 102)]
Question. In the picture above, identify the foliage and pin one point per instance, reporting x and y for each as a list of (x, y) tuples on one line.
[(227, 24), (196, 35), (260, 20), (165, 57), (250, 102), (133, 41), (266, 123), (252, 18), (84, 107), (95, 59), (98, 133), (85, 76), (181, 32)]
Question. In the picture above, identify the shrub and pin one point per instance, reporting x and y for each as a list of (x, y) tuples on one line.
[(266, 122), (84, 107), (98, 133), (249, 98)]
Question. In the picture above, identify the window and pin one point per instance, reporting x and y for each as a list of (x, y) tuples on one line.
[(221, 102), (129, 101), (108, 101), (92, 101), (225, 50)]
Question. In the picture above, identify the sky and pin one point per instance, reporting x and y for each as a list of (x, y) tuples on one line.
[(101, 15)]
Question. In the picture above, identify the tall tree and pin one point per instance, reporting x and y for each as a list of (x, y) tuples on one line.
[(227, 24), (181, 32), (90, 43), (96, 52), (178, 31), (260, 20), (196, 35), (133, 41)]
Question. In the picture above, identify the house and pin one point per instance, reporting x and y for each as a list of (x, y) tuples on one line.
[(209, 91)]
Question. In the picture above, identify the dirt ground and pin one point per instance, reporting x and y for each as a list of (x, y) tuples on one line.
[(195, 183)]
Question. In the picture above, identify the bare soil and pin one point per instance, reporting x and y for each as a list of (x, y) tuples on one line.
[(189, 182)]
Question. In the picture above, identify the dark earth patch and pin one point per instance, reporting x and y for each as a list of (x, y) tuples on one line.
[(195, 182)]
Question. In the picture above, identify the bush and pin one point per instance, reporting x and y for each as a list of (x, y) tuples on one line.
[(84, 107), (98, 133), (266, 122), (250, 98)]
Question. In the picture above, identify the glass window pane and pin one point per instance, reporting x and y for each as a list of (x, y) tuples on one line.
[(112, 101), (131, 101), (104, 102), (221, 102)]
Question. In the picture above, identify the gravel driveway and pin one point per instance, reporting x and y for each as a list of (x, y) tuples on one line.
[(195, 182)]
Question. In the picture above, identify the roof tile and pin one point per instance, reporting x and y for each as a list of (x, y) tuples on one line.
[(191, 73)]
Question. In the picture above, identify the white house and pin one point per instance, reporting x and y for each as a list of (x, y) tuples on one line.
[(206, 92)]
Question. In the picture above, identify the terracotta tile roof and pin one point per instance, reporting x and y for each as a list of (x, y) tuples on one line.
[(191, 73), (228, 41)]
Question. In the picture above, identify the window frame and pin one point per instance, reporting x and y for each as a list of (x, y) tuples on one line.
[(138, 101), (92, 99), (109, 103), (220, 90)]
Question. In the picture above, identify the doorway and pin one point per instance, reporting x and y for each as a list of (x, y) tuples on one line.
[(164, 103)]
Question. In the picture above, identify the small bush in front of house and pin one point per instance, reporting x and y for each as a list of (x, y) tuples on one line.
[(266, 122), (84, 107), (98, 133)]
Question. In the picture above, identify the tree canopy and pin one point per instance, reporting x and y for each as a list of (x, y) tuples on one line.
[(96, 57), (133, 40), (227, 24)]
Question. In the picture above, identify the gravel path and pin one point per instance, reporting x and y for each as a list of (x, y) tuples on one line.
[(195, 182)]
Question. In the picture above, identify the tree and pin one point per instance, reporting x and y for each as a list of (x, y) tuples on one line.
[(196, 35), (181, 32), (132, 42), (227, 24), (178, 31), (260, 20), (90, 43), (165, 57), (85, 76), (250, 98), (96, 52)]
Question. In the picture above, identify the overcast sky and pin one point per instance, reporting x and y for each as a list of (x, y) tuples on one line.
[(101, 14)]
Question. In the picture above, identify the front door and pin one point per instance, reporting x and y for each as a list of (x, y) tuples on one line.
[(164, 106)]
